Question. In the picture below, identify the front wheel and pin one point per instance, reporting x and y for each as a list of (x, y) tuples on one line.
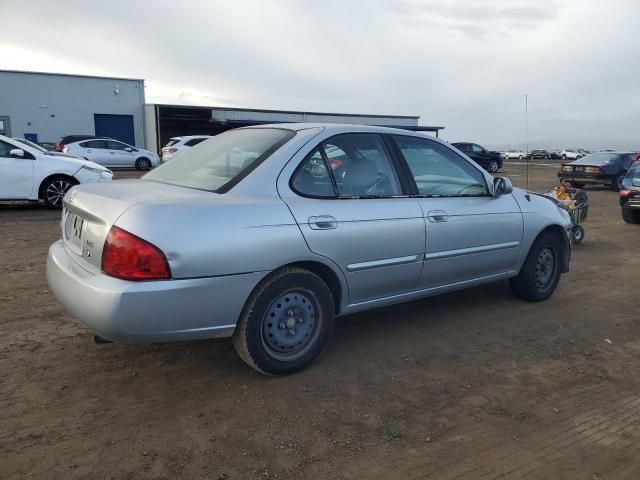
[(54, 189), (540, 273), (564, 157), (494, 166), (143, 164), (630, 216), (285, 323)]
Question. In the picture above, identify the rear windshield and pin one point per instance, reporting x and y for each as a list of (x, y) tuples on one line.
[(222, 161), (173, 141), (599, 158)]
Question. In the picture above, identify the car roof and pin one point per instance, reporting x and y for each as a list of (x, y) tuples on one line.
[(339, 128)]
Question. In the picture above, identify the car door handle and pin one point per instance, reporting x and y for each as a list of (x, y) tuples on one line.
[(323, 222), (437, 216)]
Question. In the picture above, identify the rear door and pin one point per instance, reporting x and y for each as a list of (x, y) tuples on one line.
[(470, 234), (348, 199), (94, 150)]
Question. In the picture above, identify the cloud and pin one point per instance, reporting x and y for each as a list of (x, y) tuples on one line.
[(461, 63)]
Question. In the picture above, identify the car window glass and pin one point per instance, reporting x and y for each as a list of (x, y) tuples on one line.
[(477, 148), (439, 171), (5, 148), (311, 179), (111, 145), (94, 144), (362, 166), (194, 141), (173, 141)]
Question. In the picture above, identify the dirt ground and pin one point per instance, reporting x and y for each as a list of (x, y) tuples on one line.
[(470, 385)]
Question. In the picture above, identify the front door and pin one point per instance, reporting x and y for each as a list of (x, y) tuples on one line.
[(16, 173), (470, 234), (119, 155), (347, 198)]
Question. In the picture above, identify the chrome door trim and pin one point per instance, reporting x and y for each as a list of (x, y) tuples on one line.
[(387, 262), (471, 250)]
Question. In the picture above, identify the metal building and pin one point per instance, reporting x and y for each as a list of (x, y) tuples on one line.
[(166, 121), (43, 107)]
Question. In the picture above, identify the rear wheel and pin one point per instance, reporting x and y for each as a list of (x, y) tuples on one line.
[(54, 189), (143, 164), (494, 166), (540, 273), (630, 216), (564, 157), (285, 323)]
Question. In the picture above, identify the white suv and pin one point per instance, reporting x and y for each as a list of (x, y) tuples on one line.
[(178, 145), (29, 174), (112, 153), (570, 154), (509, 154)]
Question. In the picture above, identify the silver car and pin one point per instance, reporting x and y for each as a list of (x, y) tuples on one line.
[(265, 234)]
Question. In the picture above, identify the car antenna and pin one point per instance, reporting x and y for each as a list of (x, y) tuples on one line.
[(526, 133)]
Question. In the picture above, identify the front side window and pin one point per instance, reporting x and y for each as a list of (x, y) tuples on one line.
[(5, 149), (218, 164), (111, 145), (438, 171), (477, 148)]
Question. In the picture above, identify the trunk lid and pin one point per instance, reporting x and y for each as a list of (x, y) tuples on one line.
[(90, 210)]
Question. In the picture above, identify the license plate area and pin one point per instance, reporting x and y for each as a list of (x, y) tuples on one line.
[(74, 227)]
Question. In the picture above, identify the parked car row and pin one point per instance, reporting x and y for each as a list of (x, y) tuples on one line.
[(541, 154)]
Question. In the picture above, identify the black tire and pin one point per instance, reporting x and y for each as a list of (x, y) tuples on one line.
[(494, 166), (630, 216), (143, 163), (564, 157), (256, 337), (616, 181), (577, 234), (521, 157), (54, 189), (531, 283)]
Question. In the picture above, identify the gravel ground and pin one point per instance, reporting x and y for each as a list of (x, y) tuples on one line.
[(469, 385)]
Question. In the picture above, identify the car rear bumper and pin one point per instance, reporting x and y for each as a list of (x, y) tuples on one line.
[(144, 312), (585, 178)]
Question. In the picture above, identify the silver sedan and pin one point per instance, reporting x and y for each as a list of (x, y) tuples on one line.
[(266, 234)]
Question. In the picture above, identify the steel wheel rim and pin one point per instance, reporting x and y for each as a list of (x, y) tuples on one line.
[(290, 324), (56, 191), (545, 268)]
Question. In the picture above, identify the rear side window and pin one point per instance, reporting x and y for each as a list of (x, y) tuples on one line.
[(438, 171), (358, 165), (194, 141), (312, 178), (94, 144)]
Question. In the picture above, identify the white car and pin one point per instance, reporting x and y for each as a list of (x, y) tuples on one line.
[(28, 174), (178, 145), (112, 153), (518, 154), (570, 154)]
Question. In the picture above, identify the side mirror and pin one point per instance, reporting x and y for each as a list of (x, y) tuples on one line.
[(502, 186), (129, 149), (17, 152)]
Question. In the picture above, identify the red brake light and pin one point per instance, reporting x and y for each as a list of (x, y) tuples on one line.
[(628, 193), (335, 163), (169, 150), (128, 257), (59, 147)]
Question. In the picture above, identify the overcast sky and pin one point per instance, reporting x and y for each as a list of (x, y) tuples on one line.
[(459, 63)]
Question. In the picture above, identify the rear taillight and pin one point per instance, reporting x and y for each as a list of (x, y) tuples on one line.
[(595, 170), (128, 257), (59, 147), (628, 193), (169, 150)]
